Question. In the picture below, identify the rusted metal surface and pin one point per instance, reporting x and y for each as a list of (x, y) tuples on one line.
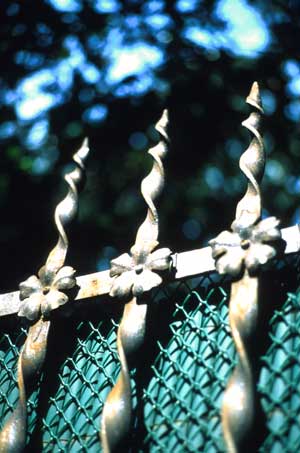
[(241, 253), (185, 264), (32, 356), (39, 296), (133, 274)]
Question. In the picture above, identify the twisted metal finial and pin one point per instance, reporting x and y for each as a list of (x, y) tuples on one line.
[(67, 209), (240, 253), (134, 274), (252, 164), (40, 296)]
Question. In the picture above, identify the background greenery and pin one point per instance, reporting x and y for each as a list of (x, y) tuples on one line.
[(105, 69)]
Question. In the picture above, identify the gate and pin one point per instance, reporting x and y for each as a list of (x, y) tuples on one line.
[(183, 352)]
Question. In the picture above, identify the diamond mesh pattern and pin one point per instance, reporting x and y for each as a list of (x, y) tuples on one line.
[(279, 380), (10, 344), (180, 376), (182, 400), (72, 417)]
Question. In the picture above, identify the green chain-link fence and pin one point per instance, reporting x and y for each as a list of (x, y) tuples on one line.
[(179, 378)]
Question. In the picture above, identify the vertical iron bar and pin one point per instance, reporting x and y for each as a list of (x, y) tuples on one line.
[(133, 276), (240, 254), (40, 296)]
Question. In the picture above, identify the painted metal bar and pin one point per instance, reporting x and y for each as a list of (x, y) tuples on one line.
[(186, 264)]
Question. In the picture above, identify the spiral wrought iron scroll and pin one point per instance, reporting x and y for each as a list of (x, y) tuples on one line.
[(134, 274), (40, 295), (240, 253)]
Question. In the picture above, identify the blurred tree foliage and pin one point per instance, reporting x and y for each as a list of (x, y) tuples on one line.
[(105, 69)]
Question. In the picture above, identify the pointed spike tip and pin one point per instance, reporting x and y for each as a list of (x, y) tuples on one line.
[(84, 150), (254, 97), (162, 124)]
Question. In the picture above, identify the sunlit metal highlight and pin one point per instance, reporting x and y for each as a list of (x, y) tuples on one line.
[(240, 253), (134, 274), (40, 295)]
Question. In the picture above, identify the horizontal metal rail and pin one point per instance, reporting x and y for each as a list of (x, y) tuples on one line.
[(186, 264)]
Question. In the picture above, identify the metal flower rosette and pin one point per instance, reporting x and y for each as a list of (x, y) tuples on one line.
[(133, 275), (42, 294), (137, 273), (39, 296), (241, 254), (249, 247), (197, 376)]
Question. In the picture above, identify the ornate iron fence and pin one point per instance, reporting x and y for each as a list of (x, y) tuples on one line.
[(200, 353)]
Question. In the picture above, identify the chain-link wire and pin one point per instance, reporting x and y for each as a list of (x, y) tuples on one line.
[(11, 340), (280, 378), (182, 400), (179, 378)]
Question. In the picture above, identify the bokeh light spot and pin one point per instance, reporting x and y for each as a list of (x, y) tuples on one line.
[(246, 30), (292, 111), (291, 68), (73, 129), (191, 229), (95, 114), (7, 129), (138, 140), (268, 101), (133, 60), (37, 134), (274, 171), (186, 6), (107, 6), (30, 108), (214, 178), (66, 5)]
